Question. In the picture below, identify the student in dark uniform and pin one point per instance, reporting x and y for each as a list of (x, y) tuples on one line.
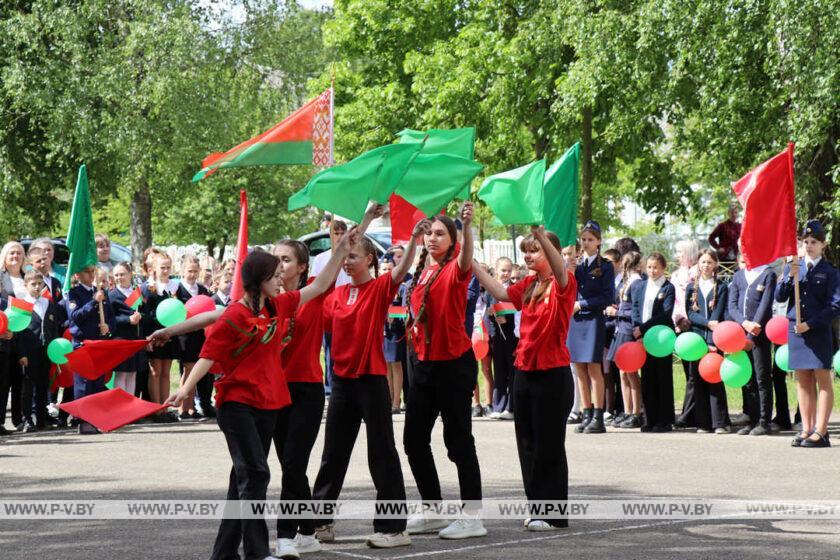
[(751, 306), (705, 300), (612, 377), (84, 304), (587, 332), (189, 344), (810, 343), (503, 342), (127, 326), (653, 304), (31, 344), (393, 345)]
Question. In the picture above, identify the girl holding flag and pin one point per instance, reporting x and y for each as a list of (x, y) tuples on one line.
[(444, 372), (542, 386), (124, 302), (810, 342)]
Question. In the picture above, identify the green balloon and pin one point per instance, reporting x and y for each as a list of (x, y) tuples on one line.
[(690, 347), (659, 341), (58, 349), (18, 320), (736, 369), (170, 312), (781, 357)]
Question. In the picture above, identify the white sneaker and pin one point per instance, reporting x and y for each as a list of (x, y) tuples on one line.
[(527, 522), (389, 540), (537, 525), (506, 415), (325, 533), (418, 524), (286, 549), (52, 410), (307, 543), (495, 415), (463, 529)]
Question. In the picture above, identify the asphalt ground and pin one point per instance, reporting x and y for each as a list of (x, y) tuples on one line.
[(190, 461)]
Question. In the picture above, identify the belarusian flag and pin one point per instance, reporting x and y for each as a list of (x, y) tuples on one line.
[(304, 137), (45, 293), (397, 312), (20, 306), (80, 240), (134, 299), (504, 308)]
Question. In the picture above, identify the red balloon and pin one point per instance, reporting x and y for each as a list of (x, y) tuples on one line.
[(777, 330), (4, 323), (199, 304), (480, 349), (630, 356), (729, 336), (709, 367)]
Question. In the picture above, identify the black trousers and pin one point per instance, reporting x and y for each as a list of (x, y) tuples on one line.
[(545, 400), (4, 385), (442, 388), (248, 432), (688, 410), (35, 383), (351, 401), (781, 396), (758, 392), (504, 347), (709, 407), (15, 386), (294, 436), (658, 391), (204, 392)]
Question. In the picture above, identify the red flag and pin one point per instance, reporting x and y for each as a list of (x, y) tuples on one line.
[(404, 216), (236, 290), (95, 358), (766, 194), (109, 410), (135, 298), (21, 305), (45, 293), (60, 377)]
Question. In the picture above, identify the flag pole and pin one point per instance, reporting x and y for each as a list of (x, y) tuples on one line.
[(794, 267)]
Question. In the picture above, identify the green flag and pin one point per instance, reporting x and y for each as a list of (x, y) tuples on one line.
[(80, 240), (455, 141), (516, 196), (561, 196), (346, 189), (434, 180)]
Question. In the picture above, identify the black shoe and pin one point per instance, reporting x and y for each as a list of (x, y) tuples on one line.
[(618, 419), (184, 416), (760, 430), (20, 427), (745, 431), (632, 421), (822, 440), (196, 415), (29, 428), (596, 425), (575, 418), (647, 428), (739, 420), (680, 424), (477, 411), (209, 412), (4, 431), (587, 418), (87, 429), (662, 428), (62, 424)]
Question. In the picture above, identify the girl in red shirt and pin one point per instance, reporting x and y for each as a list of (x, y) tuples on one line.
[(542, 387), (355, 315), (245, 343), (444, 373)]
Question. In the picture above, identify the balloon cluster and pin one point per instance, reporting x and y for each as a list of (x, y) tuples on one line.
[(734, 369)]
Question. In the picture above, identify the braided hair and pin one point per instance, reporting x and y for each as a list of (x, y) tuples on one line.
[(630, 262), (421, 316), (535, 291), (712, 302), (301, 254)]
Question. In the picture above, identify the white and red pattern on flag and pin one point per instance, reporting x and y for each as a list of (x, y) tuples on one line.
[(322, 131)]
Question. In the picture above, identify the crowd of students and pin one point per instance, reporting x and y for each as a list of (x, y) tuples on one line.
[(551, 360)]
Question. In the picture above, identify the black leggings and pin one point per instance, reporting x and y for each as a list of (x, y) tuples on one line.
[(442, 388)]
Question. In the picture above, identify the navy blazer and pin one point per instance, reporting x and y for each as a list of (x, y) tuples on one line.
[(624, 315), (39, 333), (663, 306), (122, 317), (83, 314), (701, 317), (819, 293), (758, 298), (218, 301), (594, 293)]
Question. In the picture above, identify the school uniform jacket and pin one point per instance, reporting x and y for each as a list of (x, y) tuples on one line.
[(701, 317), (595, 293), (83, 314), (122, 318), (819, 293), (32, 341), (754, 302), (663, 305)]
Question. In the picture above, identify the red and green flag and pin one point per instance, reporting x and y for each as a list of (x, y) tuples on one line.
[(303, 138), (80, 237), (397, 312), (20, 306), (504, 308), (46, 294), (134, 299)]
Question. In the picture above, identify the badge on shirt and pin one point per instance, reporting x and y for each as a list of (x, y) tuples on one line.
[(760, 288), (354, 295), (72, 304), (660, 296)]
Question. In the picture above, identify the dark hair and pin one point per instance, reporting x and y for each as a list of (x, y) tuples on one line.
[(659, 257), (613, 255), (370, 251), (694, 305), (536, 289), (301, 252), (629, 262), (338, 225), (625, 245), (418, 274), (258, 267), (126, 265), (596, 232)]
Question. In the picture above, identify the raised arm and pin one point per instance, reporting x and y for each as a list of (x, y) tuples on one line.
[(555, 259), (490, 284), (327, 276), (421, 228), (465, 258)]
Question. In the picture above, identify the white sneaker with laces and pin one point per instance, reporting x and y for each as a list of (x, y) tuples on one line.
[(325, 533), (389, 540), (307, 543), (495, 415), (286, 549), (537, 525), (463, 529), (418, 524), (506, 415)]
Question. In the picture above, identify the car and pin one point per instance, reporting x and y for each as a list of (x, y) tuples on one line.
[(319, 241), (119, 253)]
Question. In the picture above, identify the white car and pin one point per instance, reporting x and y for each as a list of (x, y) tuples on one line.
[(319, 241)]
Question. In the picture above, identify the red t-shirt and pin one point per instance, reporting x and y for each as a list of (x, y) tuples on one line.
[(544, 325), (446, 311), (249, 357), (301, 357), (355, 315)]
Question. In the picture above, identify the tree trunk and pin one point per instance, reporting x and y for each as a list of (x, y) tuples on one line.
[(586, 166), (140, 212), (221, 256), (211, 246)]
